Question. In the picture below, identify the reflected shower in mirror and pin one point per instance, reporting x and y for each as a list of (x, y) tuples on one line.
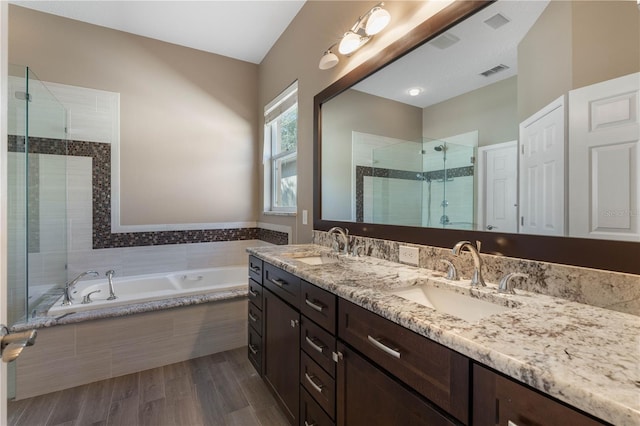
[(523, 118)]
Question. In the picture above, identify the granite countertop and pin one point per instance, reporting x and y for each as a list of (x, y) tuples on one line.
[(586, 356)]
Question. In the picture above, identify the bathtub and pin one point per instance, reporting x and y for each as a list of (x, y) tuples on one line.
[(153, 287)]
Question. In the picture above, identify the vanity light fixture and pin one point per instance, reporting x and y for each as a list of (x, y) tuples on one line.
[(365, 27), (329, 59)]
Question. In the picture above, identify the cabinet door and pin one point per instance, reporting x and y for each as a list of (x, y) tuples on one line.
[(433, 370), (281, 349), (498, 400), (368, 396)]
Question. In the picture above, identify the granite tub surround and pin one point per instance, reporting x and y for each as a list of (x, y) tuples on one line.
[(605, 289), (41, 319), (583, 355)]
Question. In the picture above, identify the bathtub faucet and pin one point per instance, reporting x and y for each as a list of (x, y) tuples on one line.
[(112, 293), (67, 299)]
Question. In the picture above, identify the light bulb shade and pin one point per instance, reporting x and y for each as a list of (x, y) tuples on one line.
[(378, 20), (349, 43), (328, 60)]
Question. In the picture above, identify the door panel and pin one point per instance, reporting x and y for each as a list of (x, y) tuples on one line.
[(498, 198), (604, 156), (542, 171)]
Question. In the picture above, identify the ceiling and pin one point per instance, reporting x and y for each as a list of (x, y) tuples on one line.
[(240, 29), (442, 74)]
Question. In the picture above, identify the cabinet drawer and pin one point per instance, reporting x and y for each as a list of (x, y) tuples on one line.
[(255, 293), (498, 397), (318, 305), (434, 371), (255, 350), (255, 269), (318, 383), (311, 413), (255, 318), (318, 344), (283, 284)]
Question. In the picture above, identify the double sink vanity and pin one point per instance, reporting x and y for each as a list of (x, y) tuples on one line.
[(344, 339)]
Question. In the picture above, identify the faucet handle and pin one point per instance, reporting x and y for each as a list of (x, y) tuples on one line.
[(452, 273), (478, 245), (87, 297), (506, 286)]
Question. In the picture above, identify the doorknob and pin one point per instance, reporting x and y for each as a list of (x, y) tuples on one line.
[(490, 227), (11, 345)]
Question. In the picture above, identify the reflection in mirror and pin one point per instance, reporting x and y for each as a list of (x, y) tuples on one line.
[(521, 119)]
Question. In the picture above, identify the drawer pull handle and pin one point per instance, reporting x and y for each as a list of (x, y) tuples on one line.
[(255, 268), (313, 383), (277, 281), (252, 317), (312, 305), (306, 423), (253, 293), (375, 342), (253, 349), (318, 347)]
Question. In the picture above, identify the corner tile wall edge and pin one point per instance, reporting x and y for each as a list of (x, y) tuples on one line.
[(606, 289)]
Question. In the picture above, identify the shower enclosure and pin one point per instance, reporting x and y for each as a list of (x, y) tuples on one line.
[(37, 193), (426, 183)]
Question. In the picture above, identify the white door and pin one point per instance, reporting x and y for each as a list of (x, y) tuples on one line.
[(604, 157), (542, 171), (498, 187)]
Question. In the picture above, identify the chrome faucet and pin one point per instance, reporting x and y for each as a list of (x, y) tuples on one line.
[(476, 279), (342, 234), (506, 286), (67, 299), (112, 293)]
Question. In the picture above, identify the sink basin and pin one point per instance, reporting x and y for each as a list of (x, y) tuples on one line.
[(317, 260), (450, 302)]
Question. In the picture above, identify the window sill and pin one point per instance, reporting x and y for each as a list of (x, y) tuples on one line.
[(274, 213)]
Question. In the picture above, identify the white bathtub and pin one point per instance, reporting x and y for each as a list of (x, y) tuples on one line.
[(147, 288)]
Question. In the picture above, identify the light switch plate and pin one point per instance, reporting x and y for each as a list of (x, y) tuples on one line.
[(409, 255)]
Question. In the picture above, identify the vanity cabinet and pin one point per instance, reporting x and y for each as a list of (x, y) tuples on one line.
[(501, 401), (431, 370), (255, 330), (331, 362)]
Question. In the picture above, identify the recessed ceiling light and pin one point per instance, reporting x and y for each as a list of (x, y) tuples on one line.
[(414, 91)]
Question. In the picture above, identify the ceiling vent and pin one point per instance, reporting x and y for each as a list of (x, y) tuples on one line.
[(446, 40), (494, 70), (496, 21)]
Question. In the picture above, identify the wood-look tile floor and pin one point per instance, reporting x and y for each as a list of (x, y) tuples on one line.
[(220, 389)]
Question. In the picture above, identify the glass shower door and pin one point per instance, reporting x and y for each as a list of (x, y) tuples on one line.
[(37, 193)]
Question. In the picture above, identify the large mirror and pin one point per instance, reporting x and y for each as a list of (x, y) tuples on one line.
[(520, 119)]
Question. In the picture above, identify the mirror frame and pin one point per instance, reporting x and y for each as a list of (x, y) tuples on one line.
[(620, 256)]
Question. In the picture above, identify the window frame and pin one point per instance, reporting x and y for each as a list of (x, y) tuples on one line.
[(282, 104)]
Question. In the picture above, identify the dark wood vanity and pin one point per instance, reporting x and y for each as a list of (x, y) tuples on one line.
[(329, 361)]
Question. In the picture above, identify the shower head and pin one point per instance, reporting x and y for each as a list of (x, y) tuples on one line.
[(440, 148)]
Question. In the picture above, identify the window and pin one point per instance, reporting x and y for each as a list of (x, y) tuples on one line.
[(280, 146)]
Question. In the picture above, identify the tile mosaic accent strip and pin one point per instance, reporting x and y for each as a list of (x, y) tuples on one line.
[(100, 154), (436, 175)]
